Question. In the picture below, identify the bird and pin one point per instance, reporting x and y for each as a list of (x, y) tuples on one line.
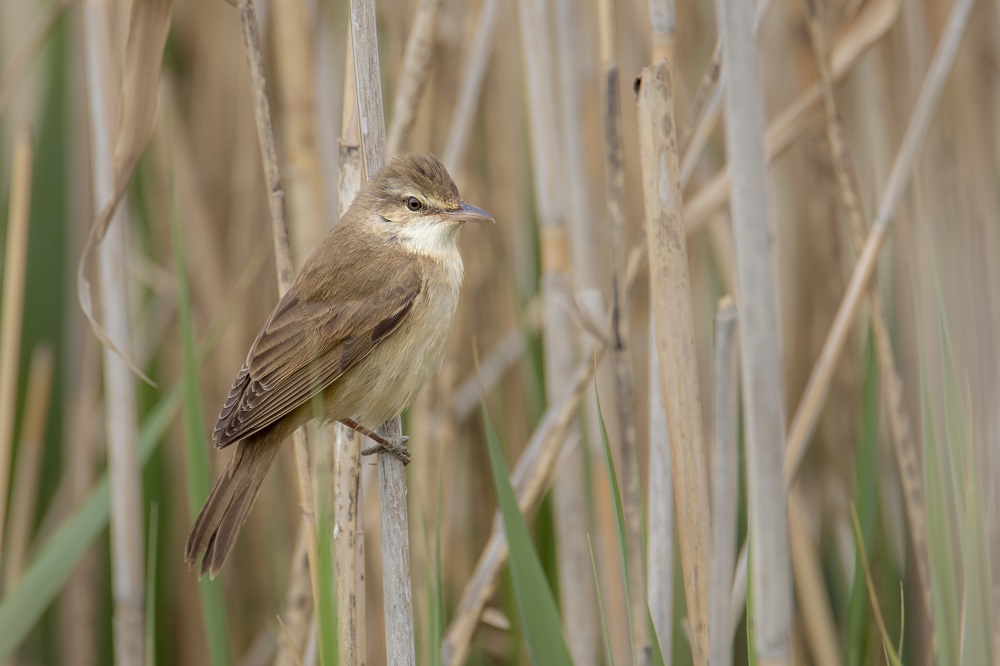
[(360, 330)]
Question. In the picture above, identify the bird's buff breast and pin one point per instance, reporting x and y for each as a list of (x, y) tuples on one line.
[(385, 382)]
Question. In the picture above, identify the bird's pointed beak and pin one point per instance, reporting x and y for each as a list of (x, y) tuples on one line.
[(466, 213)]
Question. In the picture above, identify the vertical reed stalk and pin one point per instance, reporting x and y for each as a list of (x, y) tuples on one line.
[(559, 336), (660, 493), (349, 544), (126, 525), (24, 494), (295, 63), (725, 486), (13, 307), (621, 357), (672, 310), (283, 263), (660, 511), (761, 367), (577, 594), (400, 644)]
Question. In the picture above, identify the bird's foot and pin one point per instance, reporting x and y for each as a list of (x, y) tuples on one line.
[(394, 446)]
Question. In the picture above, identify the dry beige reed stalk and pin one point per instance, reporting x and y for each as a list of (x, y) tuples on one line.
[(660, 508), (148, 24), (577, 590), (761, 367), (662, 23), (349, 542), (15, 265), (660, 491), (414, 73), (348, 534), (400, 643), (621, 357), (126, 521), (282, 252), (589, 262), (673, 313), (349, 548), (368, 84), (725, 484), (816, 390), (24, 493), (295, 64), (559, 335)]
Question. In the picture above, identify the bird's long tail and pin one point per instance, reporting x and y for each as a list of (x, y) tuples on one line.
[(227, 507)]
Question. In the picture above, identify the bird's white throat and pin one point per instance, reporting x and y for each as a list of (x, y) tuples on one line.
[(430, 237)]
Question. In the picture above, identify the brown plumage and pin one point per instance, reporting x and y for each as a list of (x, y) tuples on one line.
[(361, 328)]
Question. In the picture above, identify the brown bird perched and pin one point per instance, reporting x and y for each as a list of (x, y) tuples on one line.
[(362, 327)]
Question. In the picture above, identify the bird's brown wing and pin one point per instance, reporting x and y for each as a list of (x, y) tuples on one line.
[(305, 346)]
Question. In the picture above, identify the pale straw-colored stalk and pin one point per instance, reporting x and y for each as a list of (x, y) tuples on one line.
[(621, 356), (577, 593), (283, 262), (302, 180), (349, 543), (400, 644), (725, 482), (15, 265), (24, 494), (761, 367), (674, 318), (660, 485), (559, 336), (120, 405)]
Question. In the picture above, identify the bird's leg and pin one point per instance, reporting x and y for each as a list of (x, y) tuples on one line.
[(393, 445)]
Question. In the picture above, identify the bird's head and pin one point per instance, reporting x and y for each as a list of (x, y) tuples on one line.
[(415, 192)]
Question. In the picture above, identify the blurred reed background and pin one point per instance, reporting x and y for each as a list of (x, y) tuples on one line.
[(858, 457)]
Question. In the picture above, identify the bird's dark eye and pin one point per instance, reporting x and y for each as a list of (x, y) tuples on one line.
[(413, 203)]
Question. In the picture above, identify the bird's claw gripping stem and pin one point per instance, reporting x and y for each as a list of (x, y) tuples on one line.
[(394, 446)]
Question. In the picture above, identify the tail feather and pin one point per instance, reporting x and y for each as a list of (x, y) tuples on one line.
[(227, 507)]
